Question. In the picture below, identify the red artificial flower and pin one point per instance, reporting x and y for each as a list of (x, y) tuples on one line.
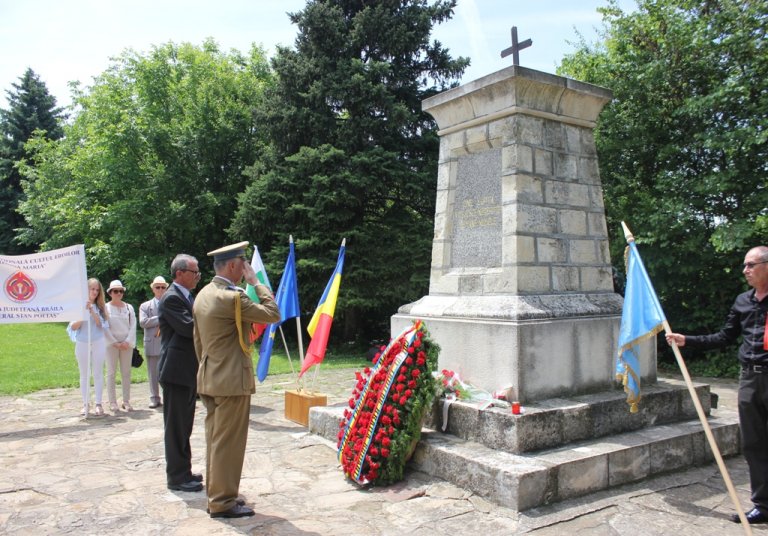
[(386, 441), (399, 387), (401, 378), (403, 400), (409, 361), (385, 453), (352, 403), (415, 373), (412, 384), (408, 393)]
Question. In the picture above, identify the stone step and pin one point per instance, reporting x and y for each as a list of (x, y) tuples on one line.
[(560, 421), (527, 480), (523, 481)]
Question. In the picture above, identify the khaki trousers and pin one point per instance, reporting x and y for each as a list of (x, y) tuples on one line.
[(226, 434)]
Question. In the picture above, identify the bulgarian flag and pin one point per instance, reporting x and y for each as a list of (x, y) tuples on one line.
[(320, 326), (261, 275)]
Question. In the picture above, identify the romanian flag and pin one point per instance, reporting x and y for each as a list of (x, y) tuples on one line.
[(261, 275), (641, 319), (320, 326), (288, 302)]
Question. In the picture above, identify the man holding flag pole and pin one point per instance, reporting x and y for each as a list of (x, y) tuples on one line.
[(748, 319), (642, 318)]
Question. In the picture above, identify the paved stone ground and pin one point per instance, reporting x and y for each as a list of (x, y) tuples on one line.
[(62, 474)]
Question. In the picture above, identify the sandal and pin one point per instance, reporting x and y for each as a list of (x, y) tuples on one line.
[(84, 411), (113, 407), (127, 406), (99, 411)]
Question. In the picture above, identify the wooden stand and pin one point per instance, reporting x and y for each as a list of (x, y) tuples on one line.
[(297, 404)]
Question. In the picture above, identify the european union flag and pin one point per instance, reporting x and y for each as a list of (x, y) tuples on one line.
[(641, 319), (287, 299)]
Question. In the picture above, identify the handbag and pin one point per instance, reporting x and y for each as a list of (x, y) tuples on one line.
[(136, 359)]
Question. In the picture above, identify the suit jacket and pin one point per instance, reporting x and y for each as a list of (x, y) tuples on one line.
[(225, 369), (178, 362), (150, 323)]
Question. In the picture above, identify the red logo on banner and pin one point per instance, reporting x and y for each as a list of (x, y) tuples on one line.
[(20, 288)]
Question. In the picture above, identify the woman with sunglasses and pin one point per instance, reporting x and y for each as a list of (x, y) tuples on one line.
[(121, 339)]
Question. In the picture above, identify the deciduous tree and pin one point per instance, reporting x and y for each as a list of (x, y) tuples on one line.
[(683, 147), (153, 162)]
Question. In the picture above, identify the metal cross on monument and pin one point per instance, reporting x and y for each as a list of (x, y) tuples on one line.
[(515, 48)]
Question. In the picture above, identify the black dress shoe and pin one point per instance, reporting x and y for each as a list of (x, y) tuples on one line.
[(196, 477), (192, 485), (239, 502), (236, 511), (754, 517)]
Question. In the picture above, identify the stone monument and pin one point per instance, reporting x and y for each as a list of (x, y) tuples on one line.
[(521, 285), (521, 296)]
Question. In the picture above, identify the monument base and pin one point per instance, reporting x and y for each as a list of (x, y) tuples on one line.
[(297, 404), (540, 346), (563, 448)]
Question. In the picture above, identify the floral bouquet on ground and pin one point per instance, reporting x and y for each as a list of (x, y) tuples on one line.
[(382, 425)]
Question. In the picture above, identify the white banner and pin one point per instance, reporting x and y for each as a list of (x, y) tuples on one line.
[(43, 287)]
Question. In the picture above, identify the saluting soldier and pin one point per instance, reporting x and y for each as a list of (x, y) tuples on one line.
[(223, 314)]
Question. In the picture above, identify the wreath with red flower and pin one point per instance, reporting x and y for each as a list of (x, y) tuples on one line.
[(382, 425)]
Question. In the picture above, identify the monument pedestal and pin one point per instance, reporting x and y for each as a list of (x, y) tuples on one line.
[(541, 346)]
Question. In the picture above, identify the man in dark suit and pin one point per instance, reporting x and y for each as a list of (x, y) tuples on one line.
[(178, 373)]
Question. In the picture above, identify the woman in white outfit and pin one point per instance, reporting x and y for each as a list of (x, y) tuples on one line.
[(121, 339), (98, 318)]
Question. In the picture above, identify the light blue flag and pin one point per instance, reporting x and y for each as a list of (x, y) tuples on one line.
[(641, 319), (287, 299)]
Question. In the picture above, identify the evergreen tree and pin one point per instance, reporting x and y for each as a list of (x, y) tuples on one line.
[(31, 109), (355, 156)]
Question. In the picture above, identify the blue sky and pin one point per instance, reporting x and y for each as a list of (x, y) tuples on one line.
[(67, 40)]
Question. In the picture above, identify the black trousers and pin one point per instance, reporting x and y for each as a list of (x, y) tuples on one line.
[(178, 417), (753, 417)]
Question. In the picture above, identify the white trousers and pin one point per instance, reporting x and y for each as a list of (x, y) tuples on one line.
[(98, 355)]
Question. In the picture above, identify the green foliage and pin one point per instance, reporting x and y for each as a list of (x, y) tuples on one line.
[(152, 163), (682, 146), (41, 356), (354, 155), (32, 110)]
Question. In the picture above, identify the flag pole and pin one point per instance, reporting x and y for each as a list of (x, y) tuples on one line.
[(300, 341), (702, 417), (287, 353)]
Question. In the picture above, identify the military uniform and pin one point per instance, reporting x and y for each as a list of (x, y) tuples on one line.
[(225, 379)]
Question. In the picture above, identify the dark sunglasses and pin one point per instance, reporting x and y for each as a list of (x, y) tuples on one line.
[(160, 287), (116, 291)]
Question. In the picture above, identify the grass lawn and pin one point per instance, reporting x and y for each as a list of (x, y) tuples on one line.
[(41, 356)]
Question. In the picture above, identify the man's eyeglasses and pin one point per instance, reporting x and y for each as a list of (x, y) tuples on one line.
[(196, 272), (750, 265)]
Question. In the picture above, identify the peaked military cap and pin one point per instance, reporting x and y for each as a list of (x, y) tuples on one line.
[(229, 252)]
